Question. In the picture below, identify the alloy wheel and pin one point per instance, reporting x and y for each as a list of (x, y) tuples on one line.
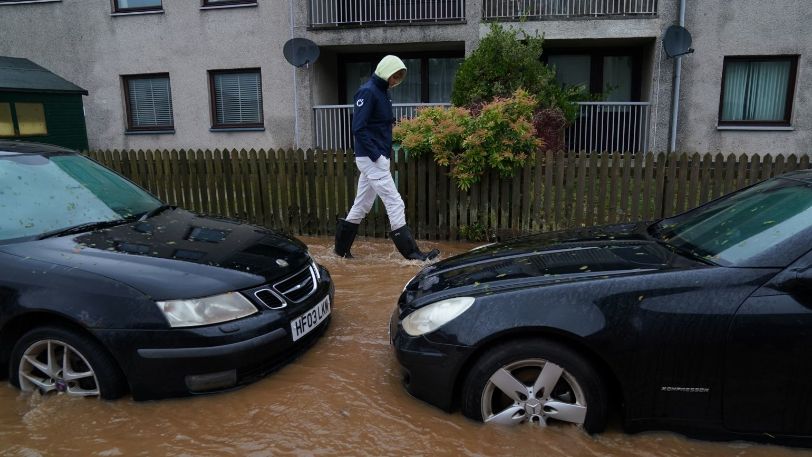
[(54, 366), (532, 391)]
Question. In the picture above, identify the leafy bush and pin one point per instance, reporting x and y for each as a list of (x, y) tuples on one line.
[(500, 136), (505, 61), (476, 232)]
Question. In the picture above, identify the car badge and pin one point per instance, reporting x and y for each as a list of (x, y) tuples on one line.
[(281, 262)]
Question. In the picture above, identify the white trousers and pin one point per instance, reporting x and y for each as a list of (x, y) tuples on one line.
[(376, 180)]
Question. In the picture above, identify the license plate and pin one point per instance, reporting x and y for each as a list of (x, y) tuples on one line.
[(303, 324)]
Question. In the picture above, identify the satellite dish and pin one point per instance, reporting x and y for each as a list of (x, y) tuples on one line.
[(300, 51), (677, 41)]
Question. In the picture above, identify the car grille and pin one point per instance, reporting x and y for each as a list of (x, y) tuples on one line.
[(297, 287), (270, 298)]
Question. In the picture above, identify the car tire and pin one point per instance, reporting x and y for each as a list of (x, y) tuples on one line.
[(88, 370), (578, 394)]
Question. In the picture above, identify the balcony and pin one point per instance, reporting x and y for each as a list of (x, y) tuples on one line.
[(600, 127), (349, 13), (610, 127), (513, 10), (332, 127)]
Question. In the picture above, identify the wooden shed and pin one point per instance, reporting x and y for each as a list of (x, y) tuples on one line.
[(37, 105)]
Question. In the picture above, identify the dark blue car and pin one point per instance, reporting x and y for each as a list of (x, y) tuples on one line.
[(104, 289), (701, 322)]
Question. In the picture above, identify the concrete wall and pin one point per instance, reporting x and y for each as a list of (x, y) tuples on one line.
[(746, 27), (81, 41)]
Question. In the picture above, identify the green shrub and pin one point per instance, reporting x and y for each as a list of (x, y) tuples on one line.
[(505, 61), (500, 136), (475, 232)]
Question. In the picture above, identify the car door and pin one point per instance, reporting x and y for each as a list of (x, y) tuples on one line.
[(769, 346)]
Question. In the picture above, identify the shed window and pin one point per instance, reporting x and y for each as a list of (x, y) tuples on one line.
[(757, 90), (6, 122), (31, 119), (236, 98), (22, 119), (149, 102), (127, 6)]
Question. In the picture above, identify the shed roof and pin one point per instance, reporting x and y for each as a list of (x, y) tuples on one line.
[(23, 75)]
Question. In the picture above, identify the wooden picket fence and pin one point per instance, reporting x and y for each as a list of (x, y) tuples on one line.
[(303, 192)]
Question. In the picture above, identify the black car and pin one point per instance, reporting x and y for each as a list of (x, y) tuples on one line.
[(104, 289), (700, 322)]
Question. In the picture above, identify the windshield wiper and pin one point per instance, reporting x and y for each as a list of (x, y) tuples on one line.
[(691, 254), (153, 212), (85, 227)]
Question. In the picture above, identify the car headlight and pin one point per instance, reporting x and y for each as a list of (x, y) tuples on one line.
[(315, 266), (431, 317), (206, 311)]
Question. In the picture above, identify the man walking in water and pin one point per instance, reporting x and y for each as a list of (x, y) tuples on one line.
[(372, 130)]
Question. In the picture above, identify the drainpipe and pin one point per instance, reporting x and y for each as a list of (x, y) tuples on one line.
[(295, 85), (677, 82)]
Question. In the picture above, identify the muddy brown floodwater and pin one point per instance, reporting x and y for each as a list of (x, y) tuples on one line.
[(343, 397)]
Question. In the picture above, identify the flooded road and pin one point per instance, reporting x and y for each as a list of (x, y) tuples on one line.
[(343, 397)]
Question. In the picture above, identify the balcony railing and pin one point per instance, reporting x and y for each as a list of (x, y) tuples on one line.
[(610, 127), (563, 9), (336, 13), (332, 128), (600, 127)]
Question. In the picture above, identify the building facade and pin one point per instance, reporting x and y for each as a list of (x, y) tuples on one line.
[(211, 73)]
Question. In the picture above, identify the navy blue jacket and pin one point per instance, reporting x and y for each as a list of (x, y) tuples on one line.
[(372, 119)]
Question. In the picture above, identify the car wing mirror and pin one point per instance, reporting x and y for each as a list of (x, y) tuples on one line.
[(798, 283)]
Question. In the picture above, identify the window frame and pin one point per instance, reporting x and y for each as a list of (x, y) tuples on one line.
[(24, 2), (15, 122), (125, 79), (596, 65), (376, 57), (793, 77), (215, 4), (213, 100), (118, 10)]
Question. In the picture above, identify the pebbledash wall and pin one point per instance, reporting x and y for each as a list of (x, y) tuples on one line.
[(85, 43)]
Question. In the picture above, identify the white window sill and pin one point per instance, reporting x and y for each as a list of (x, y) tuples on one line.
[(224, 7), (148, 132), (137, 13), (755, 128), (237, 129), (28, 2)]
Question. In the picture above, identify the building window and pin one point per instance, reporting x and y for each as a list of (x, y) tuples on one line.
[(613, 72), (429, 76), (132, 6), (228, 2), (22, 119), (236, 98), (149, 102), (757, 91)]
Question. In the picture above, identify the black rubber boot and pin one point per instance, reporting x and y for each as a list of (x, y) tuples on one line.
[(345, 235), (407, 246)]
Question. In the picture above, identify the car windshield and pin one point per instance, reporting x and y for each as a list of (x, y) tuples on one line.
[(742, 225), (41, 194)]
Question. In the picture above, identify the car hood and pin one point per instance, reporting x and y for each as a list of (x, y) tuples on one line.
[(176, 254), (556, 256)]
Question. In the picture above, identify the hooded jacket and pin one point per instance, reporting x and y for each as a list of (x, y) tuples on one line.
[(372, 117)]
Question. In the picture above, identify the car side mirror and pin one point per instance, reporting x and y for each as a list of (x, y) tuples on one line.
[(798, 283)]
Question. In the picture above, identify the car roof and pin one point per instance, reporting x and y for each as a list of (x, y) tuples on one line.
[(800, 175), (8, 147)]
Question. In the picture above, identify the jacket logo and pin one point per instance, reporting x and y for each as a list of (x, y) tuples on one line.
[(360, 102)]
